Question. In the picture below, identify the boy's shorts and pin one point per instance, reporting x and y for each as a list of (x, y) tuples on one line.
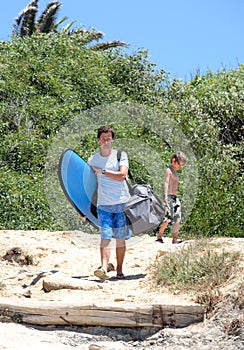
[(173, 211), (113, 222)]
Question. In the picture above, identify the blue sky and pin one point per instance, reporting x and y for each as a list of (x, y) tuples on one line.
[(182, 36)]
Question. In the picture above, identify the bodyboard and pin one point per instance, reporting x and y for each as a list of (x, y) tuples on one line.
[(79, 183)]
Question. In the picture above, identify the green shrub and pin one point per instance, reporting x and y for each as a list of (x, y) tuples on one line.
[(48, 80), (23, 203)]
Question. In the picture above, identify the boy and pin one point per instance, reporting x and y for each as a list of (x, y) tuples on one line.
[(173, 206)]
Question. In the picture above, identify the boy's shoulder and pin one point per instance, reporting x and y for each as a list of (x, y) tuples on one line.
[(171, 172)]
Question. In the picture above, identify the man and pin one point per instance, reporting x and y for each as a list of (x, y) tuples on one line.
[(113, 193)]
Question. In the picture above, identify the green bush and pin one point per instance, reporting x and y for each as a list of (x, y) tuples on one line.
[(48, 80), (22, 201)]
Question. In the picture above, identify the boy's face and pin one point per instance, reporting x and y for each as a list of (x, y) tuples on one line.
[(177, 165), (106, 140)]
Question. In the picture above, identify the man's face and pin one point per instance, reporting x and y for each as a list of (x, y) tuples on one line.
[(106, 140)]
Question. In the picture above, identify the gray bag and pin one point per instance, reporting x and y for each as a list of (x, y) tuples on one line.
[(144, 210)]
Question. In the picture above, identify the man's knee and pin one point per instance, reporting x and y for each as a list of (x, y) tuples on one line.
[(105, 243), (120, 242)]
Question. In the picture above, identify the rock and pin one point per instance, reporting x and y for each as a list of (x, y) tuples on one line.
[(65, 282), (97, 347), (119, 299), (27, 293), (16, 254)]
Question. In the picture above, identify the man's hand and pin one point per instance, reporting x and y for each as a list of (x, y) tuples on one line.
[(83, 218), (97, 170)]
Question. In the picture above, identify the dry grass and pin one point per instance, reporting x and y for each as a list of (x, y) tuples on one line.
[(201, 269)]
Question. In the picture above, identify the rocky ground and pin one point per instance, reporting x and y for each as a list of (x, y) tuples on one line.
[(77, 254)]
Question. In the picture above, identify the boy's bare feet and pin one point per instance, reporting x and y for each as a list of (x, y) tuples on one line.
[(177, 242)]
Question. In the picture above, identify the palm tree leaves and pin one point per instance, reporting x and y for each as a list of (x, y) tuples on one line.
[(108, 45), (25, 22), (27, 25), (46, 22)]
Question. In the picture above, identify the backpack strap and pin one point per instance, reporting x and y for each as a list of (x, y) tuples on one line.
[(119, 154), (118, 158)]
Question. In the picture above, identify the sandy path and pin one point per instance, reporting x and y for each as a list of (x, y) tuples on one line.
[(77, 254)]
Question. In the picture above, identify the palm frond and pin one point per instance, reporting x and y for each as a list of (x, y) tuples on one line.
[(46, 22), (25, 21), (60, 22), (66, 29), (26, 25), (90, 35), (109, 45)]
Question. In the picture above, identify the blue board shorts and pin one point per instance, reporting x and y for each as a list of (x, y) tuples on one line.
[(113, 222)]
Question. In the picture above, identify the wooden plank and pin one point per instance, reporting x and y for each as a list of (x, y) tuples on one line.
[(132, 315), (177, 315)]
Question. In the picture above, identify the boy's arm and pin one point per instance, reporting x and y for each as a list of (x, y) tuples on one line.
[(166, 185)]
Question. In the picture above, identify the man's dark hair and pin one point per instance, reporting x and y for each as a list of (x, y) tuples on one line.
[(105, 129)]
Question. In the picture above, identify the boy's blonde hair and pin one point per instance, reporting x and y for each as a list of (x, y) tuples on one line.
[(179, 157)]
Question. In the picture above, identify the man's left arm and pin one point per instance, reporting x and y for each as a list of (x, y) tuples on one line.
[(118, 175)]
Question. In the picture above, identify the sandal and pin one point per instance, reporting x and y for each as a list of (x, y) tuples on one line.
[(120, 276), (110, 267), (160, 240), (101, 273)]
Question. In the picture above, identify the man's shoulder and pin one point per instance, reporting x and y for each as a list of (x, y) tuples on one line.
[(120, 152), (93, 156)]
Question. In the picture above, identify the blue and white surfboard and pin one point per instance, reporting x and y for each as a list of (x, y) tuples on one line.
[(78, 182)]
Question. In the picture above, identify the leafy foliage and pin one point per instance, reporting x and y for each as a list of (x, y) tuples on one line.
[(210, 112), (23, 202), (48, 79), (26, 24)]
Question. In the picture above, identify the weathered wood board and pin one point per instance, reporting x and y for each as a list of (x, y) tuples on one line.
[(58, 313)]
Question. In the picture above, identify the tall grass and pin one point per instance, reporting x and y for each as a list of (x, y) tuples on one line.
[(200, 268)]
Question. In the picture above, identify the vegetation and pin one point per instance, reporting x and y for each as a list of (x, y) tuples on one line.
[(201, 269), (26, 24), (48, 79)]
